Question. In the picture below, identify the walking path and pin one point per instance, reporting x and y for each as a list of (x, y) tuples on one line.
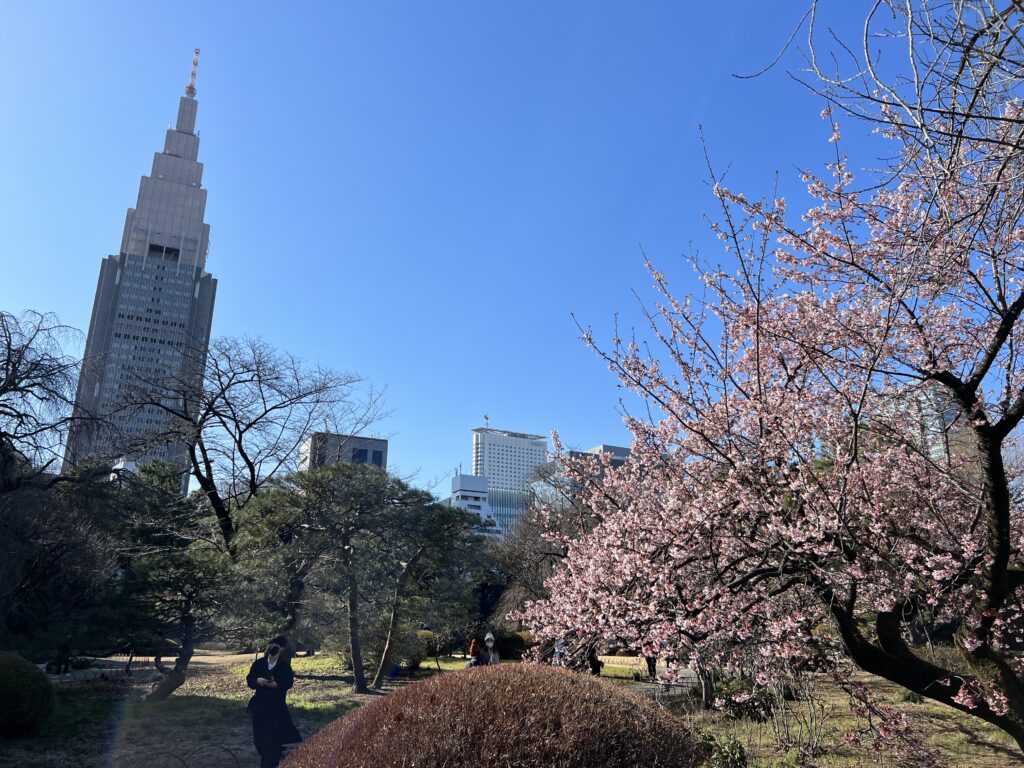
[(142, 666)]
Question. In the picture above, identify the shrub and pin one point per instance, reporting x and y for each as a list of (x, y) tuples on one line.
[(911, 697), (512, 715), (742, 700), (724, 753), (430, 642), (26, 696), (512, 645), (416, 648)]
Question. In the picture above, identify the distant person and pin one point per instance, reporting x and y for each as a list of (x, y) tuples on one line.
[(489, 654), (594, 661), (63, 659), (474, 654), (559, 657), (272, 727), (652, 667)]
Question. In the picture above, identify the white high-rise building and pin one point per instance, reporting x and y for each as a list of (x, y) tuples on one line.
[(470, 492), (509, 461)]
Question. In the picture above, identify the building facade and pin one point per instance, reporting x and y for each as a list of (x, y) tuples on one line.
[(323, 448), (509, 461), (470, 492), (553, 488), (152, 312)]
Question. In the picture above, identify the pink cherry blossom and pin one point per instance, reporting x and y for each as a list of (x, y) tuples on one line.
[(830, 463)]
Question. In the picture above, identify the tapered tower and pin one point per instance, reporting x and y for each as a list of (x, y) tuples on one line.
[(152, 313)]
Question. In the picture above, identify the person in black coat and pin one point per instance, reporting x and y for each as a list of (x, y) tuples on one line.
[(272, 727)]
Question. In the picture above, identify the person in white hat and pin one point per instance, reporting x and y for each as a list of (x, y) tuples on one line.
[(489, 654)]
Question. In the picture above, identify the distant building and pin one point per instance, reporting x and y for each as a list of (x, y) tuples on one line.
[(509, 461), (323, 448), (927, 416), (470, 492), (152, 312), (619, 454), (552, 487)]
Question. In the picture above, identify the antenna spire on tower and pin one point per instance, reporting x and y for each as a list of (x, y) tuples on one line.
[(190, 89)]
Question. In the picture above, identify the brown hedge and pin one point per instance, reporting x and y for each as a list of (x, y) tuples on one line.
[(512, 716)]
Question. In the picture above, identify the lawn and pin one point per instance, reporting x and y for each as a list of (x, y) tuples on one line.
[(963, 741), (102, 723)]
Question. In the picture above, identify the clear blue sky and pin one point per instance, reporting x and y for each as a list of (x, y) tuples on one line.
[(422, 193)]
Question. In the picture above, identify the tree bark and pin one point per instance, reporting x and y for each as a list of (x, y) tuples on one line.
[(176, 677), (706, 677), (390, 642), (892, 660), (355, 645), (293, 608), (202, 470)]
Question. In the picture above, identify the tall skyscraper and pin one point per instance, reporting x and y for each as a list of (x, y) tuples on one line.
[(151, 317), (509, 461)]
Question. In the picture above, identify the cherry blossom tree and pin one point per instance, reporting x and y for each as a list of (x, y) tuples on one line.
[(828, 471)]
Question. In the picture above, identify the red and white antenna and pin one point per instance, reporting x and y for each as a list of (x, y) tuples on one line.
[(190, 89)]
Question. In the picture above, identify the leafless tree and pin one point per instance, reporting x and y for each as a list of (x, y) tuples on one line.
[(244, 420), (37, 385), (943, 71)]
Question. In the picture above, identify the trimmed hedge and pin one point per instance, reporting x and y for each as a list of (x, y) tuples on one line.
[(513, 716), (26, 696)]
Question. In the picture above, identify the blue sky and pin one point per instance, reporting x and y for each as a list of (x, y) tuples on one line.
[(423, 193)]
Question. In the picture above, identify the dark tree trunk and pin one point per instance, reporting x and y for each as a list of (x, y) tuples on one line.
[(892, 660), (706, 677), (293, 607), (390, 642), (202, 470), (355, 645), (176, 677)]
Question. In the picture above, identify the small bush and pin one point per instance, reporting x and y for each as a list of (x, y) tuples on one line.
[(724, 753), (512, 715), (911, 697), (26, 696), (742, 700), (430, 642), (416, 649)]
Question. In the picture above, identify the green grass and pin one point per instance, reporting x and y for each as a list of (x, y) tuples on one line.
[(963, 741), (101, 723), (78, 709), (323, 664), (104, 724), (618, 670), (447, 664)]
